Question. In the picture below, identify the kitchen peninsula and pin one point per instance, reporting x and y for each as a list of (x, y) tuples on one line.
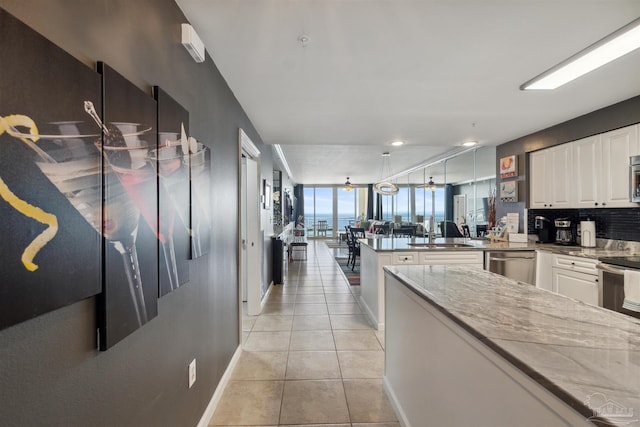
[(378, 252), (512, 354)]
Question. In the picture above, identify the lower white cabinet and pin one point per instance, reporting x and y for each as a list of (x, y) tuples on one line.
[(372, 274), (404, 258), (544, 273), (580, 286), (576, 278)]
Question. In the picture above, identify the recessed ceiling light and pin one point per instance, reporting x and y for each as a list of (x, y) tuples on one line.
[(397, 143), (469, 143), (615, 45), (303, 40)]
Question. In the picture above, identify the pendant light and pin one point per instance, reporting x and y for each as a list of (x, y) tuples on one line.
[(385, 188), (347, 185)]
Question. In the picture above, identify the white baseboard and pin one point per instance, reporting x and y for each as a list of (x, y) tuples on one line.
[(372, 318), (217, 395), (402, 418), (266, 295)]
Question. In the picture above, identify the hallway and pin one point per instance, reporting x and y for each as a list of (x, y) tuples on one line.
[(311, 358)]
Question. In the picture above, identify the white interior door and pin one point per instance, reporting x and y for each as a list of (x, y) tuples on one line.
[(243, 230), (250, 258)]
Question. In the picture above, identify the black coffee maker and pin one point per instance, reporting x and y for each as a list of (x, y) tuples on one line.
[(546, 230)]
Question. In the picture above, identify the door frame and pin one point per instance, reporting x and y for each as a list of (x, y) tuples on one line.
[(246, 148)]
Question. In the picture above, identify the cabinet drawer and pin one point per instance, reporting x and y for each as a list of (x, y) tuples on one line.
[(580, 286), (405, 258), (452, 257), (582, 265)]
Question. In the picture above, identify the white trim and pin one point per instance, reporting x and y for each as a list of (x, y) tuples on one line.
[(393, 399), (283, 160), (372, 318), (247, 145), (217, 395)]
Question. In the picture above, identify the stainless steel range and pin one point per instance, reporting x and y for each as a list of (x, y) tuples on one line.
[(611, 279)]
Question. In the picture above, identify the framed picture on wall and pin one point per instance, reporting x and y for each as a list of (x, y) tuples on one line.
[(266, 194), (509, 191), (508, 166)]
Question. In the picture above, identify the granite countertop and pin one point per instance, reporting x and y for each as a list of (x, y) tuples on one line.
[(605, 248), (577, 351)]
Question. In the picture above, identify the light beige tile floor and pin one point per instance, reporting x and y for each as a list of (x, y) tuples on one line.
[(311, 358)]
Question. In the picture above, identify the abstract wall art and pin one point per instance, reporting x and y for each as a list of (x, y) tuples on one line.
[(50, 176), (131, 232), (172, 161)]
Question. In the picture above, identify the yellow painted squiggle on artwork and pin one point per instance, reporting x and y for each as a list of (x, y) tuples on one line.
[(6, 124)]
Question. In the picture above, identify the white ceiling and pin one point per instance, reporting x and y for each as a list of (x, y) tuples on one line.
[(432, 73)]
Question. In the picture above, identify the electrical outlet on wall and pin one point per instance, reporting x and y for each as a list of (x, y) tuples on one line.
[(192, 373)]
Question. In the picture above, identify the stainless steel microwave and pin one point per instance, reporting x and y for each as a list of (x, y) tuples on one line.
[(634, 179)]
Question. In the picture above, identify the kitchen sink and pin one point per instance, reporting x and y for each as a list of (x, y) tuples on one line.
[(441, 245)]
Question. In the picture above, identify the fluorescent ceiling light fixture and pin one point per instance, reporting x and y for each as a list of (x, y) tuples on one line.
[(283, 160), (615, 45), (469, 143), (397, 143)]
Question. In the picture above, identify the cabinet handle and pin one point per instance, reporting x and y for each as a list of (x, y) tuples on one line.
[(596, 203), (604, 204), (550, 205)]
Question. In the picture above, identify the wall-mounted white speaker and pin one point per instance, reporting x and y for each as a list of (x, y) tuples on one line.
[(192, 43)]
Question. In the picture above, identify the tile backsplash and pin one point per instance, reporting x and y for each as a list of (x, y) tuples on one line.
[(611, 223)]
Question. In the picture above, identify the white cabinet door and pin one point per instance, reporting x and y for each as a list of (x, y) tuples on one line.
[(617, 147), (587, 156), (540, 169), (559, 184), (470, 258), (551, 178), (580, 286), (544, 274)]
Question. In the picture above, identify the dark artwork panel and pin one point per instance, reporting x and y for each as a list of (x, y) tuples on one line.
[(172, 161), (50, 176), (200, 164), (130, 297)]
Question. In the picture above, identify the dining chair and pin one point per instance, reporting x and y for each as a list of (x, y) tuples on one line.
[(322, 227), (354, 251), (358, 232)]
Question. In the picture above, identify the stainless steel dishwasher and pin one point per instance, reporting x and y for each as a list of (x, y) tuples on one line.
[(517, 265)]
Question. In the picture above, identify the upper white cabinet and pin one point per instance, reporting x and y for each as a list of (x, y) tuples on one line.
[(617, 147), (551, 177), (602, 168), (589, 173), (587, 155)]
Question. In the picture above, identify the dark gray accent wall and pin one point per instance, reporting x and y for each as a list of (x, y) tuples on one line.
[(615, 116), (50, 370)]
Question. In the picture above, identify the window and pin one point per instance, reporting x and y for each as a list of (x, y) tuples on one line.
[(318, 211), (334, 207), (346, 208)]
